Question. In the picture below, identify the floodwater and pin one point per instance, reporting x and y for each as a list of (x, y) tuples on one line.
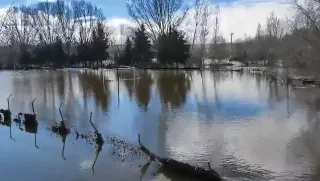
[(248, 127)]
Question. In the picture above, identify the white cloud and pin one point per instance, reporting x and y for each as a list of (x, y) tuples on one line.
[(3, 12), (30, 2), (240, 17), (115, 24), (243, 17)]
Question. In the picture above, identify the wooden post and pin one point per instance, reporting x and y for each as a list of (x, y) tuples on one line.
[(33, 106), (118, 87), (139, 139), (9, 101)]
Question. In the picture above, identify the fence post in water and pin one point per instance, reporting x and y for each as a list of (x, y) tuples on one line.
[(118, 87), (209, 165), (9, 101), (139, 139)]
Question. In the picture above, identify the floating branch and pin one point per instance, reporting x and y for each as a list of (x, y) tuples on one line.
[(183, 168)]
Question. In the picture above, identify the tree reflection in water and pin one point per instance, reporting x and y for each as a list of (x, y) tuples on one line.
[(95, 82), (128, 78), (173, 87), (143, 90)]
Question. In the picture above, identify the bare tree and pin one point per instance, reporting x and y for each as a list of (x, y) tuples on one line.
[(259, 32), (88, 16), (306, 22), (198, 13), (157, 15), (216, 30), (66, 15), (274, 28), (258, 45), (274, 33), (204, 30)]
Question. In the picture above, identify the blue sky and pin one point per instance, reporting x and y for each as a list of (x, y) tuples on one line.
[(111, 8), (240, 17)]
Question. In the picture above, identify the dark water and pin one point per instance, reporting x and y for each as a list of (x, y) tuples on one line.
[(248, 127)]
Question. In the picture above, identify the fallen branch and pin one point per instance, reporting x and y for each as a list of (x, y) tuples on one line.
[(98, 138), (183, 168)]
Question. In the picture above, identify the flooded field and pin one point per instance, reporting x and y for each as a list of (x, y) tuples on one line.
[(248, 127)]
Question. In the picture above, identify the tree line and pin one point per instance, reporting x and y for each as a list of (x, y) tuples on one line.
[(294, 41), (74, 32), (71, 32), (55, 34)]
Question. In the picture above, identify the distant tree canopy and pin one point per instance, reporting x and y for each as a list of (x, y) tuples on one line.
[(46, 32)]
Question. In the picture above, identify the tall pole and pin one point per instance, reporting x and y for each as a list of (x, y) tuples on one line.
[(231, 34)]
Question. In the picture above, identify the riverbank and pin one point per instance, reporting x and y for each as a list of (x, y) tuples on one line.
[(296, 77)]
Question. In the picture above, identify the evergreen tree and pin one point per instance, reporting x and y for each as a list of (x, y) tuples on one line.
[(141, 51), (100, 44), (173, 48), (84, 53), (164, 50), (126, 57)]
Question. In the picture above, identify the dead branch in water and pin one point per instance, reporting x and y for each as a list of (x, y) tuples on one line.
[(92, 123), (183, 168), (60, 112), (98, 138)]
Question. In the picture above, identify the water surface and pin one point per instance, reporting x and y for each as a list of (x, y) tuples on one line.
[(248, 127)]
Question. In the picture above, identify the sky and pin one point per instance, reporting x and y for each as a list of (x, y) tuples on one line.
[(240, 17)]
